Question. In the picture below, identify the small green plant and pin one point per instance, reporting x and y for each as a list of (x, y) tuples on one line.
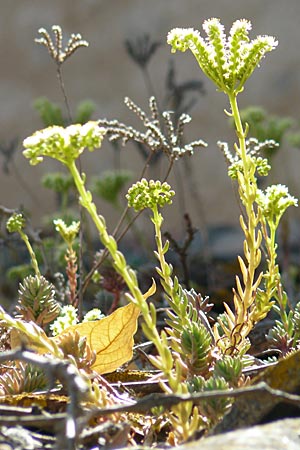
[(188, 347), (109, 186), (51, 113), (229, 62)]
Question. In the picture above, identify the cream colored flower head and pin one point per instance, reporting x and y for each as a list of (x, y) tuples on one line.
[(228, 62), (63, 144), (274, 201)]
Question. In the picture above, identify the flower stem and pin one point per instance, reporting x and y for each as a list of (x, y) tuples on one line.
[(31, 253), (245, 296)]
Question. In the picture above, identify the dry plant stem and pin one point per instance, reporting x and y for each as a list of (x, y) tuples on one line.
[(27, 188), (71, 271), (62, 87), (171, 162), (168, 401), (70, 120)]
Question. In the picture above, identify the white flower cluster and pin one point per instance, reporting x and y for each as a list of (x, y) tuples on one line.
[(274, 201), (93, 314), (68, 233), (63, 144), (228, 62), (66, 318)]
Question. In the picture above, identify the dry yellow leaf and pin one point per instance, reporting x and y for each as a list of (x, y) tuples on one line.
[(111, 338)]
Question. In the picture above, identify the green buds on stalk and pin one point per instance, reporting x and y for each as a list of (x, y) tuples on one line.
[(228, 62), (15, 223), (148, 194)]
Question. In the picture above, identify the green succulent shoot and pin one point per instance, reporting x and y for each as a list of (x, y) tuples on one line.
[(228, 62), (37, 301)]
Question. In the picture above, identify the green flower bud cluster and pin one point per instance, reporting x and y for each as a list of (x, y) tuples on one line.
[(147, 194), (63, 144), (227, 62), (274, 201), (261, 164), (68, 233), (15, 223)]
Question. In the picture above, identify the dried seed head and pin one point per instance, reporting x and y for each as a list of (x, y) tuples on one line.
[(54, 47)]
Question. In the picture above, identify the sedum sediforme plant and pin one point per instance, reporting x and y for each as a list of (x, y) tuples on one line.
[(229, 62), (192, 342), (190, 355)]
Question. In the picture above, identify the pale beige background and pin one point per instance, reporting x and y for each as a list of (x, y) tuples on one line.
[(104, 73)]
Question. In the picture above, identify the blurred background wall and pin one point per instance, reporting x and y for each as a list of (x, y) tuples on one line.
[(104, 73)]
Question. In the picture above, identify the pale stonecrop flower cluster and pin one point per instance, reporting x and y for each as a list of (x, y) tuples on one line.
[(63, 144), (228, 62), (274, 201)]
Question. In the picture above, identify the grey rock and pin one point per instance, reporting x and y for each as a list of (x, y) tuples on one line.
[(279, 435)]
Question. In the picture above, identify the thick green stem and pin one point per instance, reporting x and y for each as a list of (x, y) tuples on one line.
[(165, 271), (120, 263), (107, 240), (247, 190)]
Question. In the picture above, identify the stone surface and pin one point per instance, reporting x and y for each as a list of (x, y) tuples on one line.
[(279, 435)]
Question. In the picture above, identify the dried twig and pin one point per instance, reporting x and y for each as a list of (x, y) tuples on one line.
[(68, 374), (168, 401)]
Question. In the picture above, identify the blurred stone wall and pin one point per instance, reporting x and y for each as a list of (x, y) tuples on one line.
[(104, 73)]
